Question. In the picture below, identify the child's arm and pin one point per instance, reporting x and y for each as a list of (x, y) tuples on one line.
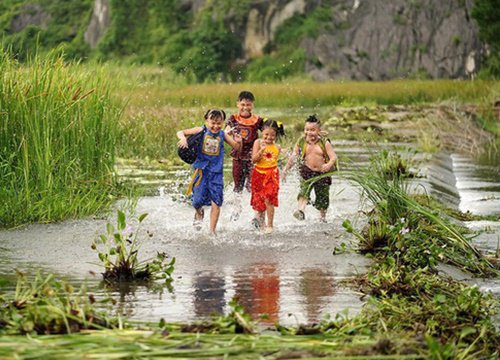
[(234, 141), (257, 150), (333, 158), (291, 161), (181, 135)]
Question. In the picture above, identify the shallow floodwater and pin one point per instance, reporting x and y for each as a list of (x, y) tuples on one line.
[(291, 275)]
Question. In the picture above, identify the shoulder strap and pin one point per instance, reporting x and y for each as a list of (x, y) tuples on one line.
[(302, 147), (322, 144)]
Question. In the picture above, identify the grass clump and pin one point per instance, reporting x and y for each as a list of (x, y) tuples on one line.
[(119, 249), (417, 235), (46, 305), (407, 294), (57, 137)]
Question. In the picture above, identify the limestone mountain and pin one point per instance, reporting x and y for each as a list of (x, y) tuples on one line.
[(260, 40)]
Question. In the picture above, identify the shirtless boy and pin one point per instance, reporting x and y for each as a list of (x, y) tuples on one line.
[(316, 157)]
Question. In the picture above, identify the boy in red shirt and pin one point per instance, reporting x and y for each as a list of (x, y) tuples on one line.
[(247, 125)]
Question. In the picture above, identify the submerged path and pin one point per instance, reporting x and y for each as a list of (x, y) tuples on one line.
[(291, 275)]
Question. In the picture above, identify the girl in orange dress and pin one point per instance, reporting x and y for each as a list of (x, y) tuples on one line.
[(265, 176)]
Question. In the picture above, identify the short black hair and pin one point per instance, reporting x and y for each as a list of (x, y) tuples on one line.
[(313, 119), (247, 95)]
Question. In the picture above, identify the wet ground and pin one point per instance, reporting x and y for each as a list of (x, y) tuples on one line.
[(291, 275)]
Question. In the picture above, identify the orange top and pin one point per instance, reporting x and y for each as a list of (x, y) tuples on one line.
[(249, 121)]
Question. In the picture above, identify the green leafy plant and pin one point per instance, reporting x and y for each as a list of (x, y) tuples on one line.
[(118, 251), (45, 305)]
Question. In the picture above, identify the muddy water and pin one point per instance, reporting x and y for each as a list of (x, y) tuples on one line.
[(291, 275)]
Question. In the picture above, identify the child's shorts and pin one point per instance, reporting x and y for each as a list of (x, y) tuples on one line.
[(210, 188), (321, 188)]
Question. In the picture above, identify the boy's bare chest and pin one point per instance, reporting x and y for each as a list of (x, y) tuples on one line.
[(314, 151)]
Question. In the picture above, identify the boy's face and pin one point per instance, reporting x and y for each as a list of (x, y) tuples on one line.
[(245, 107), (215, 124), (311, 131)]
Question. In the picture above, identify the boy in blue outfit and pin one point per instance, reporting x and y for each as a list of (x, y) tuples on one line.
[(207, 183)]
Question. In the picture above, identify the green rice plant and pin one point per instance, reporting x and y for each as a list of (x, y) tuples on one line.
[(119, 250), (57, 135), (45, 305)]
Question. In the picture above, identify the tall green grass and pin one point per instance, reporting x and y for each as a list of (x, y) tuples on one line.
[(57, 140)]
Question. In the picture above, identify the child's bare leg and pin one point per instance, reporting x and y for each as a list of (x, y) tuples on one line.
[(214, 217), (261, 217), (300, 213), (322, 215), (198, 215), (270, 214), (302, 204)]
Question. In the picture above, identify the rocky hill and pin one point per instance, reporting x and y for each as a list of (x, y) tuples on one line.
[(257, 40)]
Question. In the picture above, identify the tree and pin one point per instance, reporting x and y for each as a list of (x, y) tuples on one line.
[(487, 15)]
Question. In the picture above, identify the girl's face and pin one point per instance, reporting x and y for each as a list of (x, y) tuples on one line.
[(268, 136), (215, 124), (245, 107), (311, 131)]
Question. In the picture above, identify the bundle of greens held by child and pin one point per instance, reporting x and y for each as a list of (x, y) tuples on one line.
[(118, 251)]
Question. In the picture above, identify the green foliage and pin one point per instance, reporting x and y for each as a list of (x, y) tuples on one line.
[(57, 139), (416, 235), (118, 251), (63, 27), (238, 321), (45, 305), (142, 31), (211, 49), (487, 15), (276, 67), (284, 57)]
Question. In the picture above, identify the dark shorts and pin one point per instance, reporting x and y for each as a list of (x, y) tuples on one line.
[(242, 174), (321, 187)]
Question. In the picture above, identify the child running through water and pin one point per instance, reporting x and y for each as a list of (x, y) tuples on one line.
[(247, 125), (207, 183), (265, 176), (316, 157)]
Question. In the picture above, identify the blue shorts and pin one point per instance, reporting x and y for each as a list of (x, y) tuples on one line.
[(210, 188)]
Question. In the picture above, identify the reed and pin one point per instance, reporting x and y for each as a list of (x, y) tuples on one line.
[(57, 135)]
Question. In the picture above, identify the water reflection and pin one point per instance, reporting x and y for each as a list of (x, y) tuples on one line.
[(316, 286), (209, 294), (257, 288)]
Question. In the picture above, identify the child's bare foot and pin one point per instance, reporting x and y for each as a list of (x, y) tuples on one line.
[(235, 215), (198, 218), (268, 230), (299, 215)]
